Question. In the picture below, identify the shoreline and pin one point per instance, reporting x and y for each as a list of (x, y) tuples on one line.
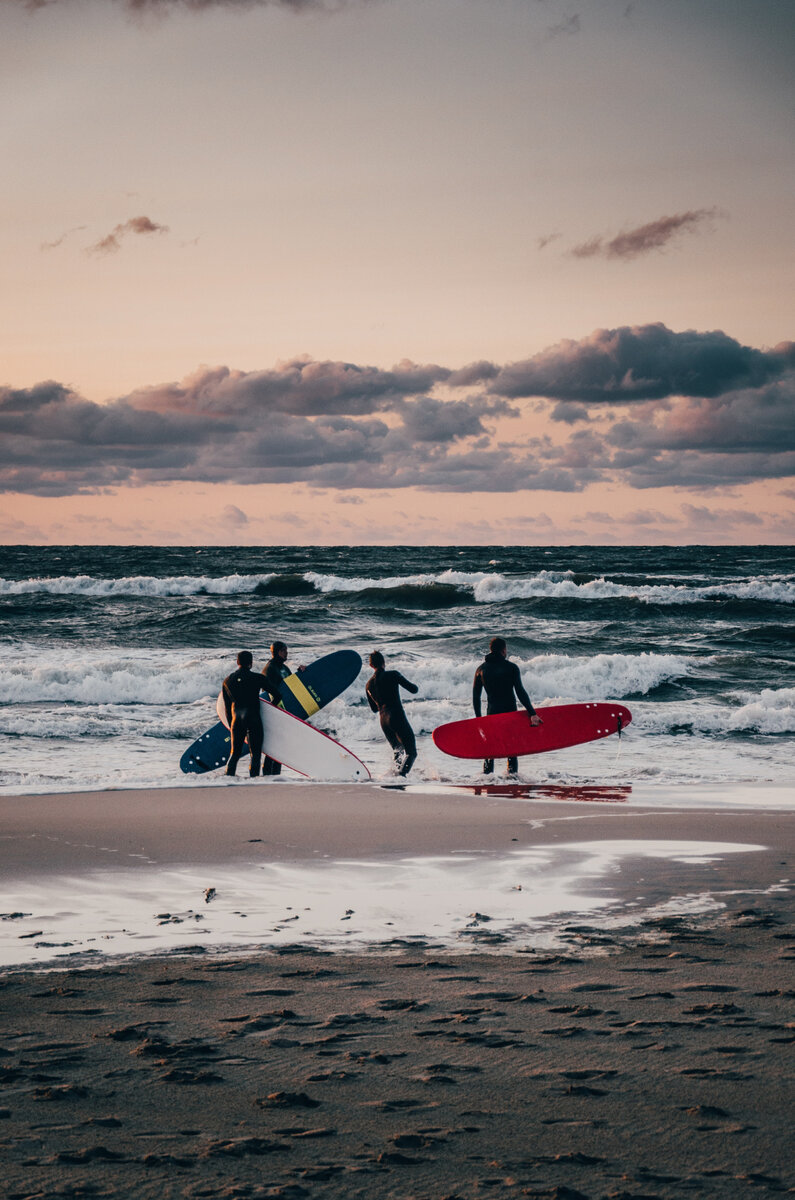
[(92, 877), (51, 832)]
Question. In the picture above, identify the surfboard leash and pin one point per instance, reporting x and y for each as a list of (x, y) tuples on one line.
[(619, 731)]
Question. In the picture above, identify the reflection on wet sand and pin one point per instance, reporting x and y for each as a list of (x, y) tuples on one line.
[(616, 794)]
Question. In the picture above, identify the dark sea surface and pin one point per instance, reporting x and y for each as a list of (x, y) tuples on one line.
[(111, 657)]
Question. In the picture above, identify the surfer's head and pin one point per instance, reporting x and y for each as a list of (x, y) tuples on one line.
[(376, 660), (278, 649), (245, 658), (497, 645)]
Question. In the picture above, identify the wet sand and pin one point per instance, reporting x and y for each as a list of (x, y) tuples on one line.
[(641, 1061), (247, 821)]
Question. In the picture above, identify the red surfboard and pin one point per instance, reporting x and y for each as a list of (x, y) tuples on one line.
[(509, 735)]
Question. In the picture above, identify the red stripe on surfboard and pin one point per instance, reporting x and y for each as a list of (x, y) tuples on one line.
[(312, 733)]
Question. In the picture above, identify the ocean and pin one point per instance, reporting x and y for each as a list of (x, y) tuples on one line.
[(111, 657)]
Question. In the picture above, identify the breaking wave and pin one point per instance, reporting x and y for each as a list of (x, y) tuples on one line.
[(142, 678), (431, 590), (771, 711), (135, 585), (110, 679)]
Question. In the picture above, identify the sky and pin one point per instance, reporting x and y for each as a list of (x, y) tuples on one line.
[(397, 271)]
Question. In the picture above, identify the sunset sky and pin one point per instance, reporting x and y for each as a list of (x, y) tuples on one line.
[(427, 271)]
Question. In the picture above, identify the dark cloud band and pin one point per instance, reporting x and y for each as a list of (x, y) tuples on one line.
[(642, 362), (641, 405)]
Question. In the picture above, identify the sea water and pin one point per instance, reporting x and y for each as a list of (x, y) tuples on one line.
[(111, 657)]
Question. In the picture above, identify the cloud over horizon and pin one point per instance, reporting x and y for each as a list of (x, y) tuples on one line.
[(640, 405), (645, 239), (642, 362), (139, 226)]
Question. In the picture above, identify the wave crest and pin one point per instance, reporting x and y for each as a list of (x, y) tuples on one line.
[(135, 585), (111, 679), (447, 586)]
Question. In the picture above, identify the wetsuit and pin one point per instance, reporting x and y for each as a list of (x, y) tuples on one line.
[(383, 696), (275, 671), (503, 683), (241, 692)]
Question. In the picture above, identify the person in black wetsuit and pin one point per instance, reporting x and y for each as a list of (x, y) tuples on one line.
[(241, 692), (276, 670), (383, 696), (503, 683)]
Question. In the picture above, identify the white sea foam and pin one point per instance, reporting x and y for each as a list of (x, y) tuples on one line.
[(496, 588), (603, 676), (144, 677), (135, 585), (769, 712), (485, 587), (492, 587), (557, 676), (360, 583), (99, 717), (124, 721), (109, 677)]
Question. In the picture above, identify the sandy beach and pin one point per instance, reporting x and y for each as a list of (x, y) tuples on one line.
[(577, 995)]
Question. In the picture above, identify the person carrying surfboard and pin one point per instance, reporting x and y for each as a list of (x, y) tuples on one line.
[(241, 692), (383, 696), (276, 670), (502, 682)]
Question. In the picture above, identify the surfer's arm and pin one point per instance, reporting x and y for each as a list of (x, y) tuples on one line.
[(524, 698), (267, 685), (404, 683), (370, 700), (227, 703), (477, 690)]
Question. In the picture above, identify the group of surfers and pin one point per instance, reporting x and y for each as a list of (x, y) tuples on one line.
[(497, 676)]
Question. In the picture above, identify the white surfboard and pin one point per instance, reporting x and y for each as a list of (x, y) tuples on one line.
[(297, 745)]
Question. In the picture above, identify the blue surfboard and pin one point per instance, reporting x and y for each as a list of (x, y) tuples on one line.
[(304, 693)]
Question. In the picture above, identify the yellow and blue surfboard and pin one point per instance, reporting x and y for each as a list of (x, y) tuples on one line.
[(303, 694)]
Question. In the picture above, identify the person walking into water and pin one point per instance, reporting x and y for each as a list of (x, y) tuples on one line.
[(502, 681), (241, 692), (276, 670), (383, 696)]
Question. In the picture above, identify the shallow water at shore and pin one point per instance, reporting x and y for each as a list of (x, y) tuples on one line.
[(350, 869), (525, 900), (111, 657)]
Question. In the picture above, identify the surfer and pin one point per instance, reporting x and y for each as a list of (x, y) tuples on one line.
[(503, 683), (276, 670), (383, 696), (241, 692)]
